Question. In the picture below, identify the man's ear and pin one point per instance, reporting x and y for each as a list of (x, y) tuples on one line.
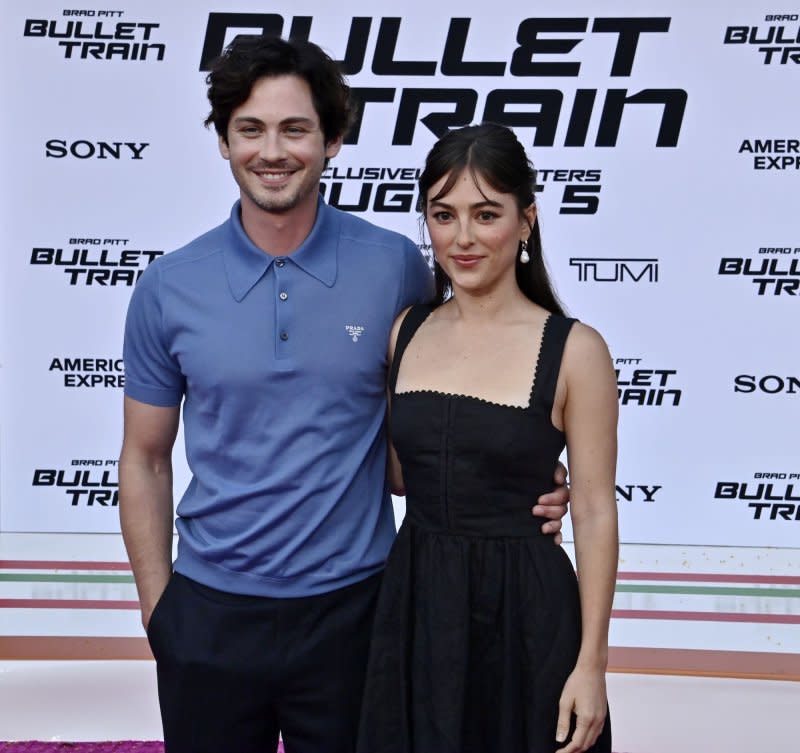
[(332, 147), (224, 149)]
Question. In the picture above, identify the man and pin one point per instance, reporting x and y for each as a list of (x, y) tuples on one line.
[(272, 329)]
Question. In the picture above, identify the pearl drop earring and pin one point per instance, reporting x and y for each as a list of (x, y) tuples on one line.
[(524, 256)]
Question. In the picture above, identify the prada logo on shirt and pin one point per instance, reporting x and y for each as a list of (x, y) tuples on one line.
[(355, 331)]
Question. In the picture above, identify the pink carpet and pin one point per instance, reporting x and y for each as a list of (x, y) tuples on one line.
[(124, 746)]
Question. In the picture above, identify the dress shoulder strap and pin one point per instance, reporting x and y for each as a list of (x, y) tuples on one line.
[(413, 319), (554, 337)]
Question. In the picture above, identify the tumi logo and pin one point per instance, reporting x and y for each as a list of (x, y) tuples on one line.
[(597, 269), (84, 149)]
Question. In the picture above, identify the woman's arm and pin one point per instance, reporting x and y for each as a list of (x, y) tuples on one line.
[(590, 423), (394, 473)]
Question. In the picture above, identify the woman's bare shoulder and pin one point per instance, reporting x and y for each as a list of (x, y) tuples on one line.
[(585, 347)]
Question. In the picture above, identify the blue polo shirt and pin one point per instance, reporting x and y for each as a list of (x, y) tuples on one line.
[(280, 362)]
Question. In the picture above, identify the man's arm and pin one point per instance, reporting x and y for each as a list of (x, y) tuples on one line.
[(553, 505), (145, 497)]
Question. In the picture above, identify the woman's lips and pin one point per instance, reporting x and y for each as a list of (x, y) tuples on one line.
[(466, 260)]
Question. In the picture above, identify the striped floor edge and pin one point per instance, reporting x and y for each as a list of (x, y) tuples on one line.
[(766, 605), (645, 661)]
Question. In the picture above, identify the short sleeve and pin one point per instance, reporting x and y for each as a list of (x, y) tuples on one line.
[(152, 374), (418, 284)]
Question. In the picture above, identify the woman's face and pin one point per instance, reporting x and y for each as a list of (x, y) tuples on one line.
[(475, 232)]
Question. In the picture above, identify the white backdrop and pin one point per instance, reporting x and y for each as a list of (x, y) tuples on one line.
[(666, 134)]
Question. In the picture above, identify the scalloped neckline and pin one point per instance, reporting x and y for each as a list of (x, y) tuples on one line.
[(475, 398)]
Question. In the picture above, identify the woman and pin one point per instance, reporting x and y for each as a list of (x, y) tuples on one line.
[(484, 639)]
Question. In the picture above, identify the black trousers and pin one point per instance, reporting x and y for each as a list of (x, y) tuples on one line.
[(234, 671)]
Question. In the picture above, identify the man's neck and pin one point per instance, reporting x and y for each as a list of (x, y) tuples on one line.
[(278, 233)]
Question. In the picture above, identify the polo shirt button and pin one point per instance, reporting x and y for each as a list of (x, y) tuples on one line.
[(280, 262), (283, 296), (284, 335)]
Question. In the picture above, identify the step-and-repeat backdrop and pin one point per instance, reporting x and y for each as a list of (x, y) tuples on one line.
[(667, 138)]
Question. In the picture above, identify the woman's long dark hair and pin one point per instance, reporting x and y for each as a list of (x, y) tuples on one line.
[(493, 153)]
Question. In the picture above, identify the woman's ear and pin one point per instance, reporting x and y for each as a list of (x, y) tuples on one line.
[(529, 215)]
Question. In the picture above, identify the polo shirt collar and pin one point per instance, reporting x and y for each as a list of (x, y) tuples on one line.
[(246, 263)]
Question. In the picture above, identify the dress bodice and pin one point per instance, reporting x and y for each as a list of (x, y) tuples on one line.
[(471, 466)]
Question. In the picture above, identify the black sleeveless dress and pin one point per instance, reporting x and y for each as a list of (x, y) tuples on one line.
[(477, 625)]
